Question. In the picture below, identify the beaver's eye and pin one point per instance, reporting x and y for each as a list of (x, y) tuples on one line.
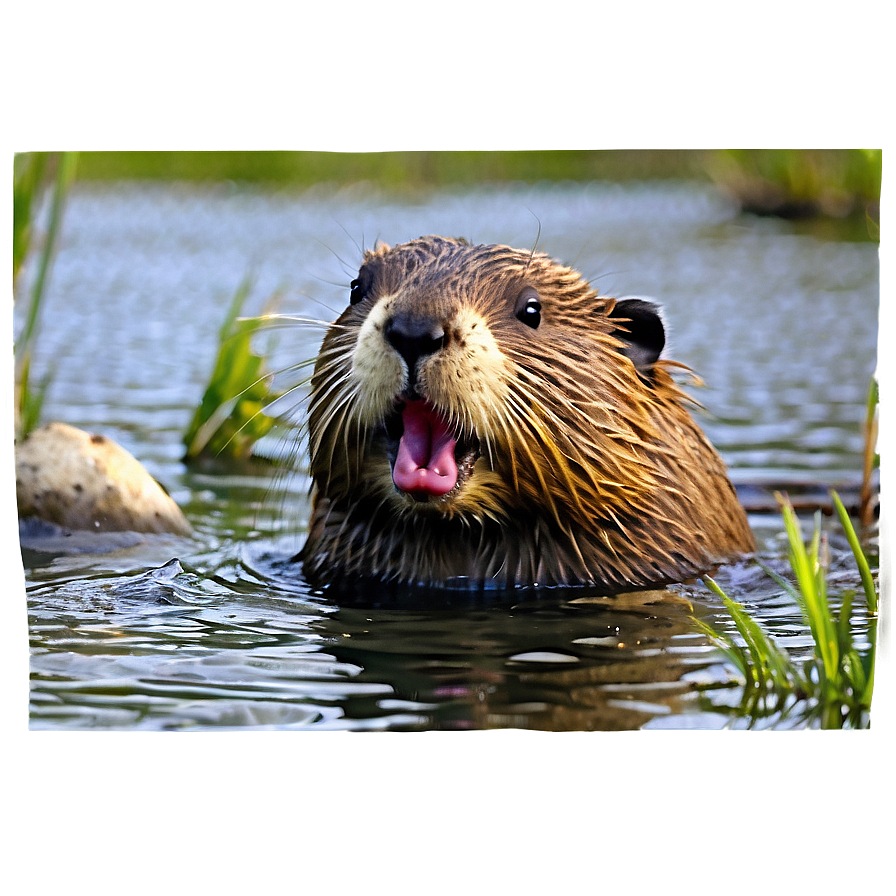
[(357, 293), (528, 308)]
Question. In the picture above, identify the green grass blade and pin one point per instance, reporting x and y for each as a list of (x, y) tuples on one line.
[(854, 675), (735, 653), (843, 621), (28, 405), (755, 670), (858, 553), (813, 598), (787, 586), (231, 416), (870, 458), (29, 175), (838, 681), (771, 667), (31, 401), (869, 662), (64, 174)]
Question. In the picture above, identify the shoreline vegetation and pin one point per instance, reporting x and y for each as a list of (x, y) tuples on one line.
[(789, 183)]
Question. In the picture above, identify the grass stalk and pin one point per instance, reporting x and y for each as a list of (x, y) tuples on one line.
[(764, 666), (810, 589), (231, 415), (869, 455), (29, 180), (857, 552), (837, 682), (27, 402)]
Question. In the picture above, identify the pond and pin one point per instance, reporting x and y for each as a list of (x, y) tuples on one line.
[(218, 631)]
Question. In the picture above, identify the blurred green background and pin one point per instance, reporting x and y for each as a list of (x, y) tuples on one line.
[(787, 182)]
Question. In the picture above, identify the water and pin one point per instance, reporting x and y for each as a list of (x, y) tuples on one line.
[(780, 323)]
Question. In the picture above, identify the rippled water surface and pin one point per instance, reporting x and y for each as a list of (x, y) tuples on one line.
[(780, 322)]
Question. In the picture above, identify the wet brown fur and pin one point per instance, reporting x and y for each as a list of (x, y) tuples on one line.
[(588, 471)]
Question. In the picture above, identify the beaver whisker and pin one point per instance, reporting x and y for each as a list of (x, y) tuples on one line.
[(337, 412), (333, 358), (330, 369), (340, 409), (338, 353), (289, 369), (293, 387), (330, 376), (340, 406), (490, 452), (535, 244), (292, 410), (274, 320)]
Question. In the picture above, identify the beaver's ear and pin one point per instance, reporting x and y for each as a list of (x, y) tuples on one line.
[(380, 248), (641, 332)]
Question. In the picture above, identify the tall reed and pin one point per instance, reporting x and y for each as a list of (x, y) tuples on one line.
[(33, 174)]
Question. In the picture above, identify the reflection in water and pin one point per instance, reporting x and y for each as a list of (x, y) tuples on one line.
[(248, 645), (579, 663), (173, 653)]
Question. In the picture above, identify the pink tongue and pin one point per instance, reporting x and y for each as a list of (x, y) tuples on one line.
[(425, 464)]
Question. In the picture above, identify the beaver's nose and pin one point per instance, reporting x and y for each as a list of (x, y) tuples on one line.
[(414, 338)]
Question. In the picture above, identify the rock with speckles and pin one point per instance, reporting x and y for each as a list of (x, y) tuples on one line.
[(87, 482)]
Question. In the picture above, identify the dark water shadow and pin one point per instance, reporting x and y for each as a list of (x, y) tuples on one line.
[(548, 659)]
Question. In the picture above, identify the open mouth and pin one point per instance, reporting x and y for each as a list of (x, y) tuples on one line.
[(430, 460)]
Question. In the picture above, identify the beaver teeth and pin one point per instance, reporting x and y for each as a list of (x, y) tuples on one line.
[(427, 463)]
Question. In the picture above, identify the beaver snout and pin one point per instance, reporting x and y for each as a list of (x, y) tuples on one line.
[(414, 338)]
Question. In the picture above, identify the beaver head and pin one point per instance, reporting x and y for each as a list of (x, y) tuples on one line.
[(479, 414)]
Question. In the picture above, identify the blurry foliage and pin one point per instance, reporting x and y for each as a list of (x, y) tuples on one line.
[(231, 417), (802, 183), (34, 174), (788, 182), (30, 179), (392, 169)]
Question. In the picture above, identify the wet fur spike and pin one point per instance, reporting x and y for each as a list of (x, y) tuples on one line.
[(578, 460)]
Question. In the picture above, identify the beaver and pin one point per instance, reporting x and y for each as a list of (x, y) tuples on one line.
[(480, 417)]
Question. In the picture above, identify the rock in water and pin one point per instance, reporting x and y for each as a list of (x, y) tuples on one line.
[(82, 481)]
